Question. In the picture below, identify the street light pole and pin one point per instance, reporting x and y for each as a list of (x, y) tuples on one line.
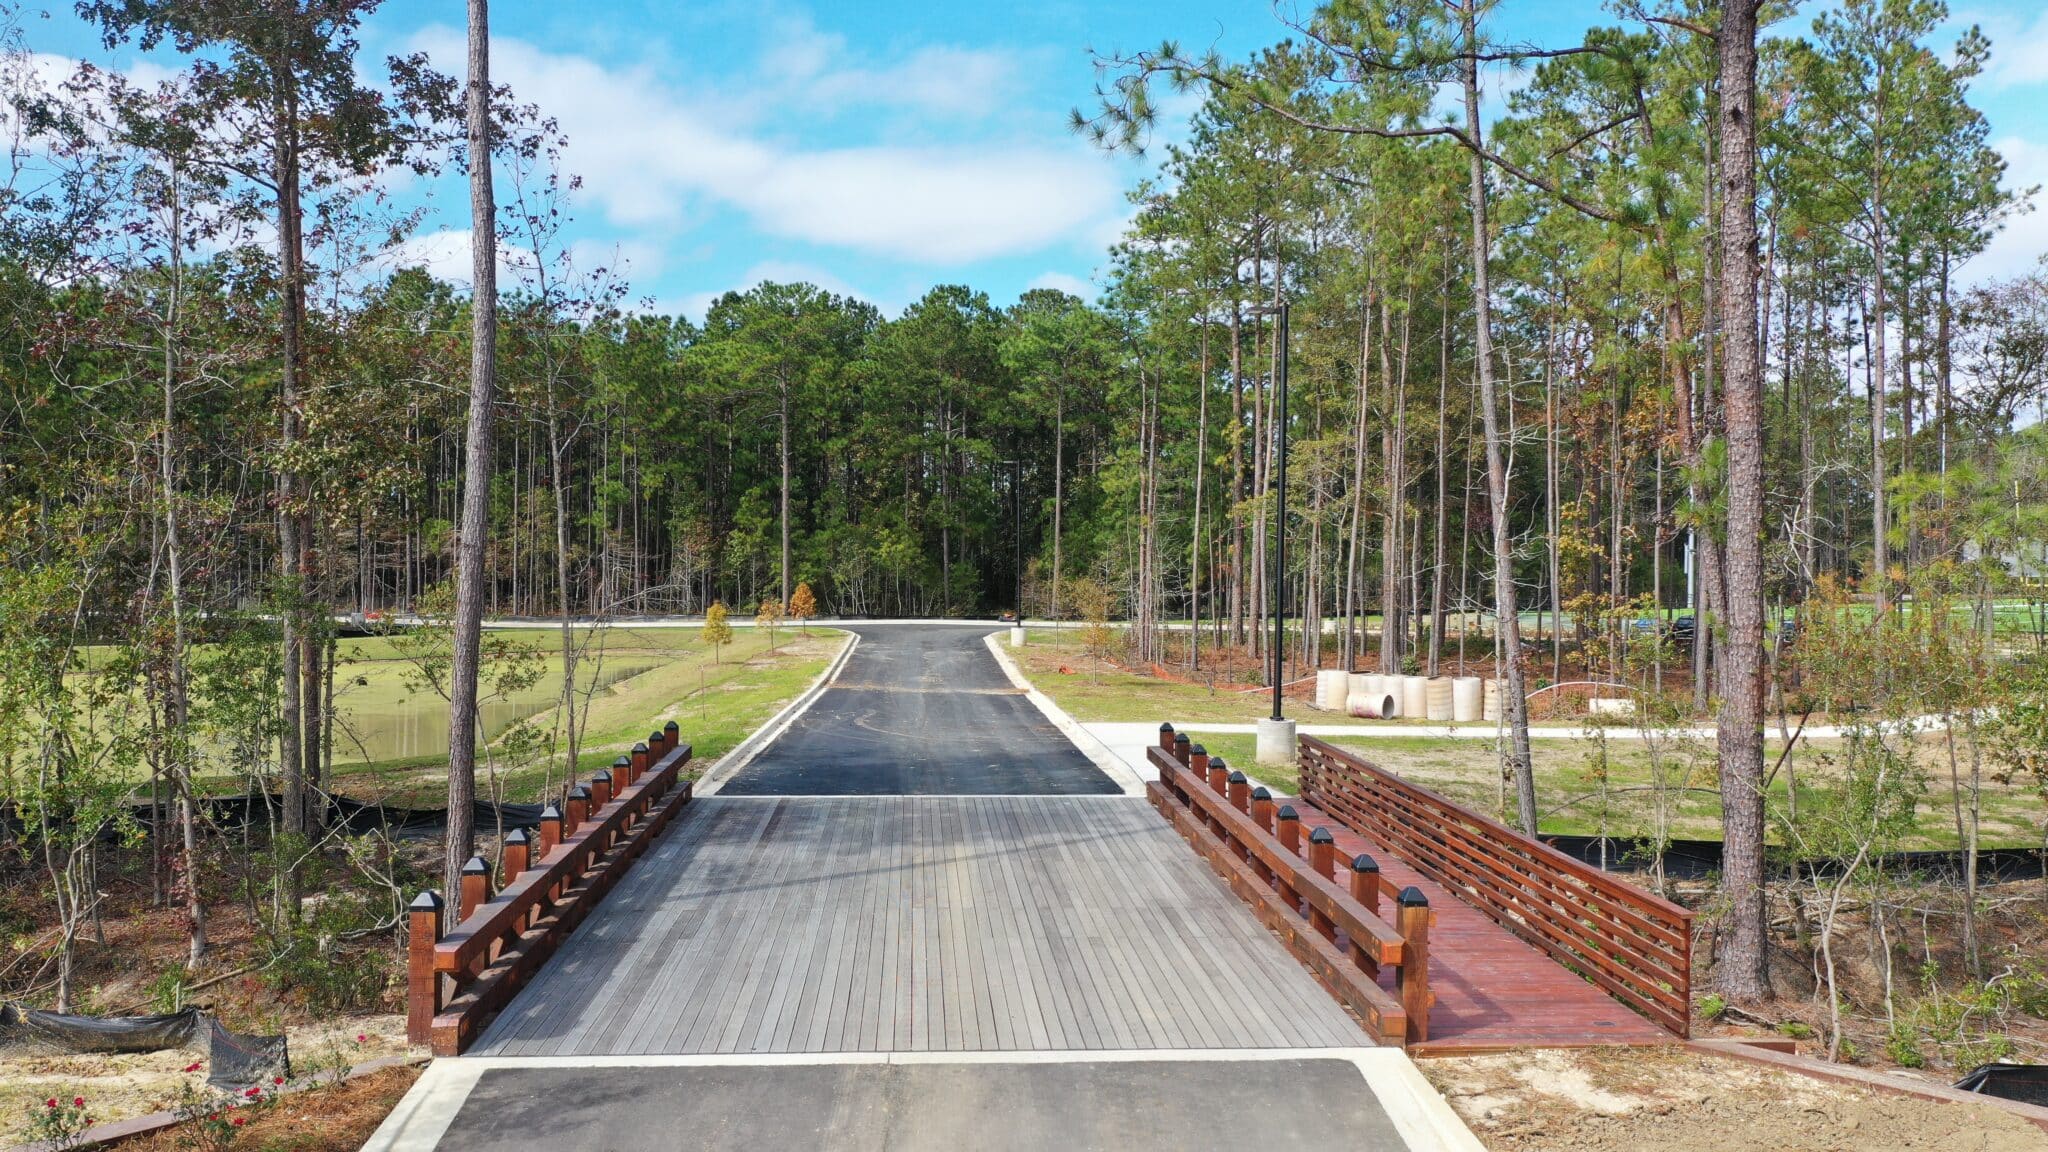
[(1280, 515), (1276, 739)]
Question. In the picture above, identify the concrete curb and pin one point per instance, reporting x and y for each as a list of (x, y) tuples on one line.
[(1098, 753), (742, 754), (1856, 1077)]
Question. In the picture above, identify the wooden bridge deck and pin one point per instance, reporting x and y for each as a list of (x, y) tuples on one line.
[(906, 923), (1493, 991)]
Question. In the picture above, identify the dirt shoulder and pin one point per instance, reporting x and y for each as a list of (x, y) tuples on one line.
[(1679, 1101)]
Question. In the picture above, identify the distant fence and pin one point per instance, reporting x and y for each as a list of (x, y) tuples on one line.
[(458, 981), (1635, 946)]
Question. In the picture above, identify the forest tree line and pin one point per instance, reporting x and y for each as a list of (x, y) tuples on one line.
[(234, 410)]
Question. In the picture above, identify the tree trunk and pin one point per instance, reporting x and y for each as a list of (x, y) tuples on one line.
[(476, 482), (1514, 700), (1741, 969)]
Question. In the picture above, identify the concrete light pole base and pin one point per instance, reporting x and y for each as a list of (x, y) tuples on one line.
[(1276, 741), (1017, 636)]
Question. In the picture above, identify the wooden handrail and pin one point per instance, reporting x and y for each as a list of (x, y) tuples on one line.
[(1290, 883), (1634, 945), (458, 980)]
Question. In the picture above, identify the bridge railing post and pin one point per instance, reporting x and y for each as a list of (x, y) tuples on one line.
[(1411, 920), (422, 985), (1166, 738), (476, 887), (1289, 824), (1365, 888), (1322, 849)]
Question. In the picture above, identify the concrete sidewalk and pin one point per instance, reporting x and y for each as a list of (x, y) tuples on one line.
[(1369, 1099)]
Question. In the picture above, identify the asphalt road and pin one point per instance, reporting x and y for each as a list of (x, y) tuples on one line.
[(920, 710), (1065, 1107)]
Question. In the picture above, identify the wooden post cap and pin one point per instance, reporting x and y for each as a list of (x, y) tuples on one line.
[(1166, 737), (1237, 777), (672, 730), (1364, 863), (657, 738), (621, 774), (518, 836), (1412, 897), (1240, 791), (1197, 750), (476, 887), (639, 749), (1287, 812), (550, 829), (427, 901), (1182, 746), (1262, 793), (1290, 829), (1321, 836)]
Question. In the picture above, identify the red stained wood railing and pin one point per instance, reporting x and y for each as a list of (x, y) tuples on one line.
[(458, 981), (1632, 944), (1326, 912)]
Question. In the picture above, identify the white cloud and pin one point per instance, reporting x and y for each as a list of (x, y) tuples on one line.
[(649, 156), (2019, 52), (936, 80), (1061, 281), (446, 255), (2019, 246)]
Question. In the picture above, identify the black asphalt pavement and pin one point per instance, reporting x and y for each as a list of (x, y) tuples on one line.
[(1140, 1106), (920, 710)]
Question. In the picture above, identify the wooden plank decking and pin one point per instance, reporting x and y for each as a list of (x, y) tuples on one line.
[(1493, 991), (846, 924)]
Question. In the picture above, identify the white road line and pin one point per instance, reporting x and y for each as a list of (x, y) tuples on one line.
[(1098, 752)]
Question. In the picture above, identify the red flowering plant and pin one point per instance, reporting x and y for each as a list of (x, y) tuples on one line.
[(212, 1120), (59, 1123)]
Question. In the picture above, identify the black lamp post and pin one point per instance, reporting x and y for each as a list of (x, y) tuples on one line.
[(1279, 574)]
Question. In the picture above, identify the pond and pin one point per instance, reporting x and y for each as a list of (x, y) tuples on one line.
[(376, 727)]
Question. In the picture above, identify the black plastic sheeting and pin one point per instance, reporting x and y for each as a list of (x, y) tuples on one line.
[(233, 1060), (354, 815), (1698, 859), (2026, 1083)]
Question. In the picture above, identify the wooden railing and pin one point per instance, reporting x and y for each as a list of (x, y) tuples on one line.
[(457, 981), (1635, 946), (1258, 847)]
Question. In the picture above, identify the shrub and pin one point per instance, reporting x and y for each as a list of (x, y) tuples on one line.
[(59, 1123)]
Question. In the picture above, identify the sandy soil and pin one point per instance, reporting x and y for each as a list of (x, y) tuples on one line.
[(1673, 1100), (117, 1087)]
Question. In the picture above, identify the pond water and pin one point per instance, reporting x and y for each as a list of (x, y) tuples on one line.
[(418, 726)]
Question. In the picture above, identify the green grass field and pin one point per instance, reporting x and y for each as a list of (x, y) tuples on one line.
[(391, 729)]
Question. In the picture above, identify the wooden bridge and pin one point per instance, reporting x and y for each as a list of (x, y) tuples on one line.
[(1037, 907)]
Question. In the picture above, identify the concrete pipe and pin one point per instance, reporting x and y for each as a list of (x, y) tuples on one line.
[(1415, 697), (1333, 687), (1358, 687), (1492, 709), (1374, 706), (1438, 697), (1465, 698)]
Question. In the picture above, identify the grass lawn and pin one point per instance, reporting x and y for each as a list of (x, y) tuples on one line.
[(1569, 794), (391, 727), (715, 702)]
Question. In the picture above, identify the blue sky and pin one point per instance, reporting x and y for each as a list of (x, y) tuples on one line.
[(881, 148)]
